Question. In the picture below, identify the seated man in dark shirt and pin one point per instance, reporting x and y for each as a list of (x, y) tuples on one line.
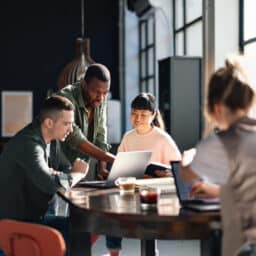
[(32, 163)]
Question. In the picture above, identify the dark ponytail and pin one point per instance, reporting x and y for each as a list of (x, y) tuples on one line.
[(158, 120)]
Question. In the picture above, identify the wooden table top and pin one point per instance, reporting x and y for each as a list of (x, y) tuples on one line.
[(105, 211)]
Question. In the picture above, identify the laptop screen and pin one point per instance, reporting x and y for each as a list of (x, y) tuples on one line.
[(182, 188), (126, 164), (132, 163)]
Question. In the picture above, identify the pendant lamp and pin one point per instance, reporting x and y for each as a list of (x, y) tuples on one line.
[(75, 70)]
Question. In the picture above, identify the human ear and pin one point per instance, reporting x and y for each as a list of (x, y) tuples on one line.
[(84, 84), (48, 122)]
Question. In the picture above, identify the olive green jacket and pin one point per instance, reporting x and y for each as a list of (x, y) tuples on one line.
[(81, 125)]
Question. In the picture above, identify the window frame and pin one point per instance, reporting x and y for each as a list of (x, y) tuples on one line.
[(144, 80), (184, 28), (243, 43)]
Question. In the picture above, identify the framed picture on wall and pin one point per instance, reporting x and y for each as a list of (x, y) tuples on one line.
[(17, 111)]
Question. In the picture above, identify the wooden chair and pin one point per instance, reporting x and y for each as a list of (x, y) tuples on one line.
[(21, 238)]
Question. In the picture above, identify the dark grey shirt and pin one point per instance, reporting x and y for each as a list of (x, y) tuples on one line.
[(211, 160), (26, 186), (238, 194)]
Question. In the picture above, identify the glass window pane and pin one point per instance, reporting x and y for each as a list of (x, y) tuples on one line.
[(194, 40), (143, 86), (143, 64), (151, 85), (151, 61), (178, 13), (143, 35), (193, 10), (250, 62), (151, 30), (179, 44), (249, 19)]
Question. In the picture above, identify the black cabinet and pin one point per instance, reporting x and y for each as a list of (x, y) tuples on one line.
[(180, 98)]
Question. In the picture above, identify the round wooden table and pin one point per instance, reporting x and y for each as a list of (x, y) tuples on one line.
[(108, 212)]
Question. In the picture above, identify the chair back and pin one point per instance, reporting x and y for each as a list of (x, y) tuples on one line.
[(21, 238)]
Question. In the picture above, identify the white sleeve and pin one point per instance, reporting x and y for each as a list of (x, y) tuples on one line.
[(211, 161)]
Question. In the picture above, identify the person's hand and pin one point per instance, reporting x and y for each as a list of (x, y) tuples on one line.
[(54, 172), (146, 176), (188, 156), (205, 190), (158, 174), (103, 174), (162, 173), (80, 165)]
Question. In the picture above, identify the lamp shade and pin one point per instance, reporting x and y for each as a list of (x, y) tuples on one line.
[(75, 70)]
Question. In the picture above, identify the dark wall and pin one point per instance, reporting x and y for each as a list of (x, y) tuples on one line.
[(181, 111), (38, 38)]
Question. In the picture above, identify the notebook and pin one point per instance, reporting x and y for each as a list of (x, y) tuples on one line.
[(132, 163), (183, 188), (153, 166)]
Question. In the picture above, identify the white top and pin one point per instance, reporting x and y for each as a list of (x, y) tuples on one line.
[(163, 147), (211, 160)]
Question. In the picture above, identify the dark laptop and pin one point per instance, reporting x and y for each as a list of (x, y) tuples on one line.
[(126, 164), (183, 188)]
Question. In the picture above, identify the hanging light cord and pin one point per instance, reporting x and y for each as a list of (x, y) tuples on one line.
[(82, 18)]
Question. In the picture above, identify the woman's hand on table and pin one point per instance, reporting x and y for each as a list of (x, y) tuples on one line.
[(204, 190)]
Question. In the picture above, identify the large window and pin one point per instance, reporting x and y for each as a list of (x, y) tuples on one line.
[(147, 55), (247, 36), (187, 27)]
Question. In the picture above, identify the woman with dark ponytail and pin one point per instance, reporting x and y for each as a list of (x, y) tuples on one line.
[(148, 133)]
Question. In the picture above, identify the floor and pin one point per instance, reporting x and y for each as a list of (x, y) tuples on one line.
[(131, 247)]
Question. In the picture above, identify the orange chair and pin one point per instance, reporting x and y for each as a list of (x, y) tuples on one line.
[(26, 239)]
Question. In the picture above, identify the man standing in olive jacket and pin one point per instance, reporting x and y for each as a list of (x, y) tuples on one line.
[(89, 136)]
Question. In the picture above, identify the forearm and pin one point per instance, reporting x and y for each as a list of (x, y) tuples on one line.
[(64, 164), (102, 165), (90, 149)]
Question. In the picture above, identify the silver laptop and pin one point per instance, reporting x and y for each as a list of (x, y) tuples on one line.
[(132, 163)]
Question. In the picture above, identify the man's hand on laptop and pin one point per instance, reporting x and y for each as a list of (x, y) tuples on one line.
[(103, 174), (204, 190)]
